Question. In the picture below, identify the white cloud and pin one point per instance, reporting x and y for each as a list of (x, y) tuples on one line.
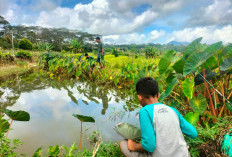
[(96, 17), (154, 35), (125, 39), (209, 34), (134, 38), (217, 13)]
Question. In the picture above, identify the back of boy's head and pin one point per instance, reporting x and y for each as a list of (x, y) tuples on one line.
[(147, 87), (86, 54)]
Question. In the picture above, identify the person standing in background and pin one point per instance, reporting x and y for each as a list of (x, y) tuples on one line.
[(100, 52)]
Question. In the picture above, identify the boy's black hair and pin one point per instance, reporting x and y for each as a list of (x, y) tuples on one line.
[(86, 54), (97, 38), (147, 87)]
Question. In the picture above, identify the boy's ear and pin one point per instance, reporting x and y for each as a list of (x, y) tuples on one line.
[(140, 97)]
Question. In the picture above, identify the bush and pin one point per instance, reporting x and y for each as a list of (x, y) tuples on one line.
[(115, 52), (150, 52), (5, 43), (25, 44), (8, 57), (1, 55), (63, 51), (24, 55)]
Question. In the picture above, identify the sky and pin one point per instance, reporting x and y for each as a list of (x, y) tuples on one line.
[(129, 21)]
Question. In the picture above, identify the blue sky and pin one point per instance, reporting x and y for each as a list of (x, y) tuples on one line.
[(129, 21)]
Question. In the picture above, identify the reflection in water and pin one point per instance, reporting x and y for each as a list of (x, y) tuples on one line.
[(51, 105)]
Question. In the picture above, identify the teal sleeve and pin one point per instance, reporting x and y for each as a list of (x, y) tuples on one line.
[(185, 126), (147, 130)]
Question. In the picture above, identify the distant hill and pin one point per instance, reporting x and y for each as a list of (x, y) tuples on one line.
[(176, 43)]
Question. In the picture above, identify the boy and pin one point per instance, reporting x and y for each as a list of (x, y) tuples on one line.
[(90, 59), (161, 126), (87, 57), (100, 52)]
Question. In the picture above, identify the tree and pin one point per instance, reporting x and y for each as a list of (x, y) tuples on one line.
[(4, 25)]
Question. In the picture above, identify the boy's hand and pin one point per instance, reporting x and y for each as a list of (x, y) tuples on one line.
[(134, 146), (131, 145)]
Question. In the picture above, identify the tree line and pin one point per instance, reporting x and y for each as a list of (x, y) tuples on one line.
[(58, 38)]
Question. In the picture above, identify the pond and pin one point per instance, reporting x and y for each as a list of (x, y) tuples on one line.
[(51, 104)]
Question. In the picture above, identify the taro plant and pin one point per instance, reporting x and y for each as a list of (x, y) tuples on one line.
[(199, 80), (83, 119), (128, 131), (24, 55), (7, 146), (4, 125), (16, 116)]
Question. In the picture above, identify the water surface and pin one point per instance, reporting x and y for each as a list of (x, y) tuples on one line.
[(51, 105)]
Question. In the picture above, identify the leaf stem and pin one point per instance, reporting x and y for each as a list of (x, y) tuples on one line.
[(9, 128)]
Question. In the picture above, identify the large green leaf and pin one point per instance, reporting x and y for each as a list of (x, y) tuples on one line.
[(199, 104), (228, 50), (128, 131), (214, 47), (17, 115), (165, 61), (188, 87), (192, 118), (209, 75), (211, 63), (226, 65), (194, 46), (70, 94), (179, 76), (84, 118), (170, 76), (197, 59), (4, 125), (141, 74), (168, 89), (179, 66)]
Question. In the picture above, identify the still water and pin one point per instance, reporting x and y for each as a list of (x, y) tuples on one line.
[(51, 105)]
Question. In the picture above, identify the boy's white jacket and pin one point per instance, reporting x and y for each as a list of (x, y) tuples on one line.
[(162, 129)]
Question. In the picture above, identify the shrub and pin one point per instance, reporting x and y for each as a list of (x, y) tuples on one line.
[(25, 44), (24, 55), (63, 51), (1, 55), (115, 52), (5, 43), (8, 57), (150, 52)]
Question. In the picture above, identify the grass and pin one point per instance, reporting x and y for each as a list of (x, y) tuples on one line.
[(18, 66), (9, 70)]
